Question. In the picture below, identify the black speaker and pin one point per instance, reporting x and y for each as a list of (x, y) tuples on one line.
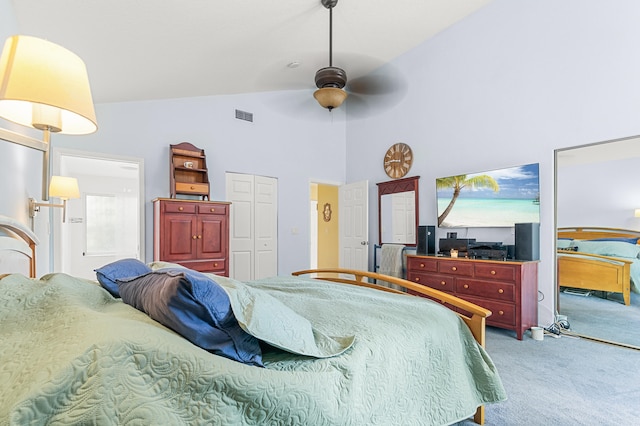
[(511, 251), (527, 241), (426, 240)]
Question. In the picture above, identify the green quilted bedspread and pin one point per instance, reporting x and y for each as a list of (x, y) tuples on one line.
[(72, 354)]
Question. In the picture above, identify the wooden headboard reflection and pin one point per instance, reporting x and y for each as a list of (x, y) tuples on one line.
[(17, 248), (593, 233)]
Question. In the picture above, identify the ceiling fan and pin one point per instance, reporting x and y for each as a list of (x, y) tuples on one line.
[(331, 81)]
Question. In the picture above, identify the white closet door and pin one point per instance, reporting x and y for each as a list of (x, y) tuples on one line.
[(354, 225), (253, 229), (241, 231), (266, 227)]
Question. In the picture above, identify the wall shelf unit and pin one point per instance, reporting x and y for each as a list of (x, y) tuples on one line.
[(189, 174)]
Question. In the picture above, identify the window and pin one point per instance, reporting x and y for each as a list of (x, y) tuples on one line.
[(101, 224)]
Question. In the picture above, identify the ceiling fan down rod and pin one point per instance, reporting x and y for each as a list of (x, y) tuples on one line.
[(331, 37), (330, 4)]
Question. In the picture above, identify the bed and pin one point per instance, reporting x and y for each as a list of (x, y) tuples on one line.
[(599, 259), (72, 353)]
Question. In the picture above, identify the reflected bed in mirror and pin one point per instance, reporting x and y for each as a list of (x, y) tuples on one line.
[(597, 185), (398, 211)]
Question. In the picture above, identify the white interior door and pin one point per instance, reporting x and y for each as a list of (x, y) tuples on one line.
[(354, 225), (253, 230), (105, 224), (403, 217), (239, 188), (266, 225)]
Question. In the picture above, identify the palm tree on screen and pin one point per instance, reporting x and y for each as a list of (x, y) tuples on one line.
[(458, 183)]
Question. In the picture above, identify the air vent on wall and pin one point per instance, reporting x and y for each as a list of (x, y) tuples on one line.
[(244, 115)]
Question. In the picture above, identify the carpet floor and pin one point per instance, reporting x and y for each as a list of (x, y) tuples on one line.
[(607, 319), (563, 381)]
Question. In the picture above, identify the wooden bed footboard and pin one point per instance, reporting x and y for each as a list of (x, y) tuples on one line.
[(594, 272), (591, 271), (476, 321)]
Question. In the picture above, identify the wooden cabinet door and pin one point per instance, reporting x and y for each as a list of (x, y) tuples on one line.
[(213, 231), (181, 237), (211, 242)]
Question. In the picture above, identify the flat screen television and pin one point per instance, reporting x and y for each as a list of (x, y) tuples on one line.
[(495, 198)]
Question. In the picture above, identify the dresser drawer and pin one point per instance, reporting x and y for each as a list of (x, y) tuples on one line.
[(439, 282), (495, 272), (422, 265), (487, 289), (212, 209), (502, 314), (192, 188), (456, 268), (212, 266), (179, 207)]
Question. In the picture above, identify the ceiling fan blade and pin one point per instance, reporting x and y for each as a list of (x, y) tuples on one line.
[(375, 92)]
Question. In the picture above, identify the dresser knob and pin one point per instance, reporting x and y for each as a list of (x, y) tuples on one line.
[(215, 265), (466, 286), (443, 282), (500, 291), (213, 210), (193, 187), (493, 272), (453, 268), (180, 208), (500, 312), (422, 265), (194, 237), (417, 279), (199, 237)]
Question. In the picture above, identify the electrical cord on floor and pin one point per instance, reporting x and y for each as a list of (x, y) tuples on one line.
[(564, 324), (558, 326), (553, 329)]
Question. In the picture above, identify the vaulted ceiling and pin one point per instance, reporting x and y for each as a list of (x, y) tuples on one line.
[(154, 49)]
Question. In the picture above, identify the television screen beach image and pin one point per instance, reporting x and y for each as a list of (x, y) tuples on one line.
[(496, 198)]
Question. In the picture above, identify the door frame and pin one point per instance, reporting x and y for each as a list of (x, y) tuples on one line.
[(57, 154)]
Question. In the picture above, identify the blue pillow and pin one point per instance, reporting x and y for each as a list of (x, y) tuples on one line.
[(120, 269), (626, 240), (564, 243), (609, 248), (194, 306)]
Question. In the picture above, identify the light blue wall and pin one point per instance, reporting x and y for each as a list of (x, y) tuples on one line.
[(295, 148), (504, 87), (602, 194)]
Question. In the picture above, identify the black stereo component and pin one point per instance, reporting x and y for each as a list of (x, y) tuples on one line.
[(488, 253), (426, 240), (460, 244), (488, 250), (527, 241)]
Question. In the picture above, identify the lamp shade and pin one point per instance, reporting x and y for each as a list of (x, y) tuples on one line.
[(636, 213), (330, 97), (45, 86), (64, 187)]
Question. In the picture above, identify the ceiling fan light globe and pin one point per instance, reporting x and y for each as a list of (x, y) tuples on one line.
[(330, 97)]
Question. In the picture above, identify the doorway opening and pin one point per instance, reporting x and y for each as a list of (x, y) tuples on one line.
[(107, 222), (339, 225), (324, 238)]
